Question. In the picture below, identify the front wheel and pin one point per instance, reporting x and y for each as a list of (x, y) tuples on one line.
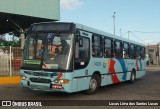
[(94, 84)]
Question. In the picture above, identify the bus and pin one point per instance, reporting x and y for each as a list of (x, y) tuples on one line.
[(71, 57)]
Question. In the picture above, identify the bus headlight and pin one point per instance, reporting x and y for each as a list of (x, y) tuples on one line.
[(61, 81), (24, 78)]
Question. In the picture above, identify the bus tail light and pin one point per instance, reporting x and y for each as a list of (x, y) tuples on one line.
[(61, 81)]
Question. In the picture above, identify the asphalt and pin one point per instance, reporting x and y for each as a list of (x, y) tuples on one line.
[(145, 88)]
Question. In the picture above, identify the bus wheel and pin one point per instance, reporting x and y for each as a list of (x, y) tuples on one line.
[(133, 76), (94, 84)]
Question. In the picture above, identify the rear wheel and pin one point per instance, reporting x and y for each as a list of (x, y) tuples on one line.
[(94, 84), (133, 76)]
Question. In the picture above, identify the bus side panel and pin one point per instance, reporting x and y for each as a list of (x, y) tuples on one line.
[(80, 80), (68, 76), (140, 68), (100, 65), (112, 71), (140, 74), (106, 80), (75, 85), (117, 70)]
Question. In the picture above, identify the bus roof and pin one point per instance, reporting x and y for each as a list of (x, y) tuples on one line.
[(96, 31), (93, 30)]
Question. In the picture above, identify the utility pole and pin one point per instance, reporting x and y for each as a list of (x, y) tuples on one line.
[(120, 32), (114, 25), (148, 55), (128, 34), (158, 52)]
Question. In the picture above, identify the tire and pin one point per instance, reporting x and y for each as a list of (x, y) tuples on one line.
[(133, 76), (94, 84)]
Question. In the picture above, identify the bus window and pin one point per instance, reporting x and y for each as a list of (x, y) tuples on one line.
[(82, 53), (142, 53), (39, 48), (138, 52), (108, 47), (97, 48), (126, 50), (82, 49), (118, 49), (30, 41), (132, 51)]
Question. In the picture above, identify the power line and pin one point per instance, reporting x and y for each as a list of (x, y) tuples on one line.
[(124, 34), (138, 37), (146, 32)]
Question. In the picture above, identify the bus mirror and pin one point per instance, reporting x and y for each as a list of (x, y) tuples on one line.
[(77, 50), (80, 42)]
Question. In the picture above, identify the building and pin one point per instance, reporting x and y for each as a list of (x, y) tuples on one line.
[(153, 52), (16, 15)]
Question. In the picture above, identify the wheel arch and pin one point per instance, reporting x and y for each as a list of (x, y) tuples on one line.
[(99, 74), (134, 70)]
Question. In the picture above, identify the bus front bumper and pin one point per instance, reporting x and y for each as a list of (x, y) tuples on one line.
[(44, 86)]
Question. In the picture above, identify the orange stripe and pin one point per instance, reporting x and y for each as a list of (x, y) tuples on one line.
[(10, 80)]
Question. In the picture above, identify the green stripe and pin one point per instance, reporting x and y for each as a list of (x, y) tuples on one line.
[(32, 62)]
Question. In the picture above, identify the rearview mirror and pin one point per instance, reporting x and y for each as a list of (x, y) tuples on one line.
[(77, 50), (80, 42)]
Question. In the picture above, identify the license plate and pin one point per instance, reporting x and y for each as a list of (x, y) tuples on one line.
[(57, 86)]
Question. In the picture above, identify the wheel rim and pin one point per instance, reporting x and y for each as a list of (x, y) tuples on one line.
[(133, 77), (93, 84)]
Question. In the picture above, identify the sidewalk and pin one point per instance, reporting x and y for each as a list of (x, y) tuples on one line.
[(153, 67), (10, 80)]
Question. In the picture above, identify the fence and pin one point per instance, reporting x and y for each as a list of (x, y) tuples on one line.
[(10, 61)]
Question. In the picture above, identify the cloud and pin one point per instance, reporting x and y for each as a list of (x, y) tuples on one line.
[(70, 4)]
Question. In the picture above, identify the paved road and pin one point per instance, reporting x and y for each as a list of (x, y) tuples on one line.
[(146, 88)]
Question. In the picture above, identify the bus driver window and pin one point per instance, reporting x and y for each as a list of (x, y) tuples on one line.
[(39, 49)]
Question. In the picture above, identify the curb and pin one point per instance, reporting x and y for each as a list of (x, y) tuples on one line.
[(10, 80)]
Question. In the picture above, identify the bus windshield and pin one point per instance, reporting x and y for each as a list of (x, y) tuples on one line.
[(50, 51)]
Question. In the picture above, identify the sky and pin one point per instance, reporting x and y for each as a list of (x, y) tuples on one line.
[(140, 17)]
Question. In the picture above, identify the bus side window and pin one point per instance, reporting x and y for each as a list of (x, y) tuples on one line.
[(132, 51), (142, 53), (118, 49), (138, 52), (126, 50), (97, 47), (108, 48), (82, 52), (84, 49)]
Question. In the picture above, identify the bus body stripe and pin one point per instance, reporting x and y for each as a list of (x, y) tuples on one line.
[(60, 75), (122, 63), (112, 70)]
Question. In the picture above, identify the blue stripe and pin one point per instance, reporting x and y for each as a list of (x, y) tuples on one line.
[(122, 63)]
